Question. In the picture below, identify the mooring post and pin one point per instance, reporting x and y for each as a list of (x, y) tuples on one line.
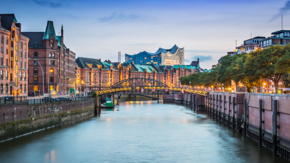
[(237, 122), (216, 105), (224, 112), (190, 101), (260, 121), (194, 102), (220, 108), (229, 113), (157, 96), (274, 126), (234, 111), (245, 117)]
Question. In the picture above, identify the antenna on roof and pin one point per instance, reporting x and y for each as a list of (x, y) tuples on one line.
[(236, 44), (282, 22)]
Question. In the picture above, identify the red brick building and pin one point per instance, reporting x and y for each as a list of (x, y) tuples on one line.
[(57, 61), (13, 57)]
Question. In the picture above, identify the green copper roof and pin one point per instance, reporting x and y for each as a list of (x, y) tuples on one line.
[(14, 20), (184, 66), (107, 65), (142, 68), (49, 31), (59, 40)]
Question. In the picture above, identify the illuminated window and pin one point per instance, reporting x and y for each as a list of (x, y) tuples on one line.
[(35, 79), (51, 88), (35, 88), (145, 58), (16, 81), (151, 57)]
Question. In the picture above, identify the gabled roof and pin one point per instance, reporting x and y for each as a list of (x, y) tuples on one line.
[(49, 31), (195, 64), (188, 67), (35, 38), (83, 62), (142, 68), (6, 20)]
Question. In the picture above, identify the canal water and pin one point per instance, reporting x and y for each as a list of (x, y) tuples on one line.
[(138, 132)]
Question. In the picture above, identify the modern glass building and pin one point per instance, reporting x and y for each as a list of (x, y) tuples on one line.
[(173, 56)]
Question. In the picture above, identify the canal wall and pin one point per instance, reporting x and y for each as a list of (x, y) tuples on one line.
[(19, 119), (265, 118)]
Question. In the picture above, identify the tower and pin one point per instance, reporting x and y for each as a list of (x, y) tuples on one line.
[(119, 57)]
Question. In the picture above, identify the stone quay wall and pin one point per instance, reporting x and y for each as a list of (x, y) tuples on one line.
[(19, 119), (264, 118)]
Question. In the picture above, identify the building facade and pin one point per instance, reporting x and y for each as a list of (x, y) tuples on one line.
[(13, 57), (173, 56), (93, 74), (48, 53)]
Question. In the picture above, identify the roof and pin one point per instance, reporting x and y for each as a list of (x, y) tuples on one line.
[(6, 20), (83, 62), (59, 40), (35, 38), (184, 66), (195, 64), (280, 31), (108, 65), (49, 31), (142, 68), (160, 50)]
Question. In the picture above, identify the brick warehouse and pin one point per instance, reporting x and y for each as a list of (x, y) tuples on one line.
[(93, 74), (13, 57), (57, 61)]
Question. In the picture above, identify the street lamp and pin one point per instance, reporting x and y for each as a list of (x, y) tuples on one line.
[(42, 74)]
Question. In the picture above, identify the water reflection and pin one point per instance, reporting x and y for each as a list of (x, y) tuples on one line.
[(139, 132)]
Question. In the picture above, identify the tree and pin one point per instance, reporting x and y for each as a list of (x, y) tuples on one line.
[(265, 64)]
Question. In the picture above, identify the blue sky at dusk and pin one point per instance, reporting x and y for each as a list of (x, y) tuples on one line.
[(100, 28)]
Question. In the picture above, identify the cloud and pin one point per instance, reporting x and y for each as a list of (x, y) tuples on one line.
[(120, 18), (282, 10), (202, 58), (56, 4)]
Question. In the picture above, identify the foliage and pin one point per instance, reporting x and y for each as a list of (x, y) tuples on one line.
[(248, 68)]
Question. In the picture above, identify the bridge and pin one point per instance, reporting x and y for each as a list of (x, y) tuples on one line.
[(133, 85)]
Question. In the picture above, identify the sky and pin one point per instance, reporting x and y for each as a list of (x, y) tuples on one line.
[(206, 29)]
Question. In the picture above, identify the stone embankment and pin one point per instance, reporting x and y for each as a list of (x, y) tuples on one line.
[(265, 118), (20, 119)]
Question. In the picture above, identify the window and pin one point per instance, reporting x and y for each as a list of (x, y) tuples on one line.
[(35, 88), (20, 75), (1, 88), (2, 40), (35, 79), (51, 79), (49, 63), (21, 64), (35, 71), (49, 55), (52, 55), (21, 45), (2, 50), (35, 63), (24, 87), (1, 74), (7, 62), (35, 55), (53, 63), (25, 54), (51, 70), (6, 88), (16, 81), (20, 87), (2, 61), (21, 54), (25, 46), (6, 75), (24, 76), (6, 51), (25, 65), (51, 88)]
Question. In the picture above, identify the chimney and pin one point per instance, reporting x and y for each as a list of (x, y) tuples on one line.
[(62, 33), (0, 21), (197, 60)]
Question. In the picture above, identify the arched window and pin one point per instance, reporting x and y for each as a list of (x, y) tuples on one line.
[(35, 71), (35, 55), (35, 88), (1, 88), (49, 55), (6, 88), (52, 55), (24, 87)]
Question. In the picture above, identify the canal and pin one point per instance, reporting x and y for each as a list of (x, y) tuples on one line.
[(138, 132)]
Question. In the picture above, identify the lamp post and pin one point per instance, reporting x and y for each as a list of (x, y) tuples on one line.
[(42, 74)]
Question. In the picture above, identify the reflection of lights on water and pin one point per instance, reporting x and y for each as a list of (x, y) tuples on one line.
[(185, 121), (52, 157), (131, 102), (108, 119), (137, 102)]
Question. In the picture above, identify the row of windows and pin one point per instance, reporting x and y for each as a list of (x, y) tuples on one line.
[(50, 55), (35, 79), (22, 89), (22, 76)]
